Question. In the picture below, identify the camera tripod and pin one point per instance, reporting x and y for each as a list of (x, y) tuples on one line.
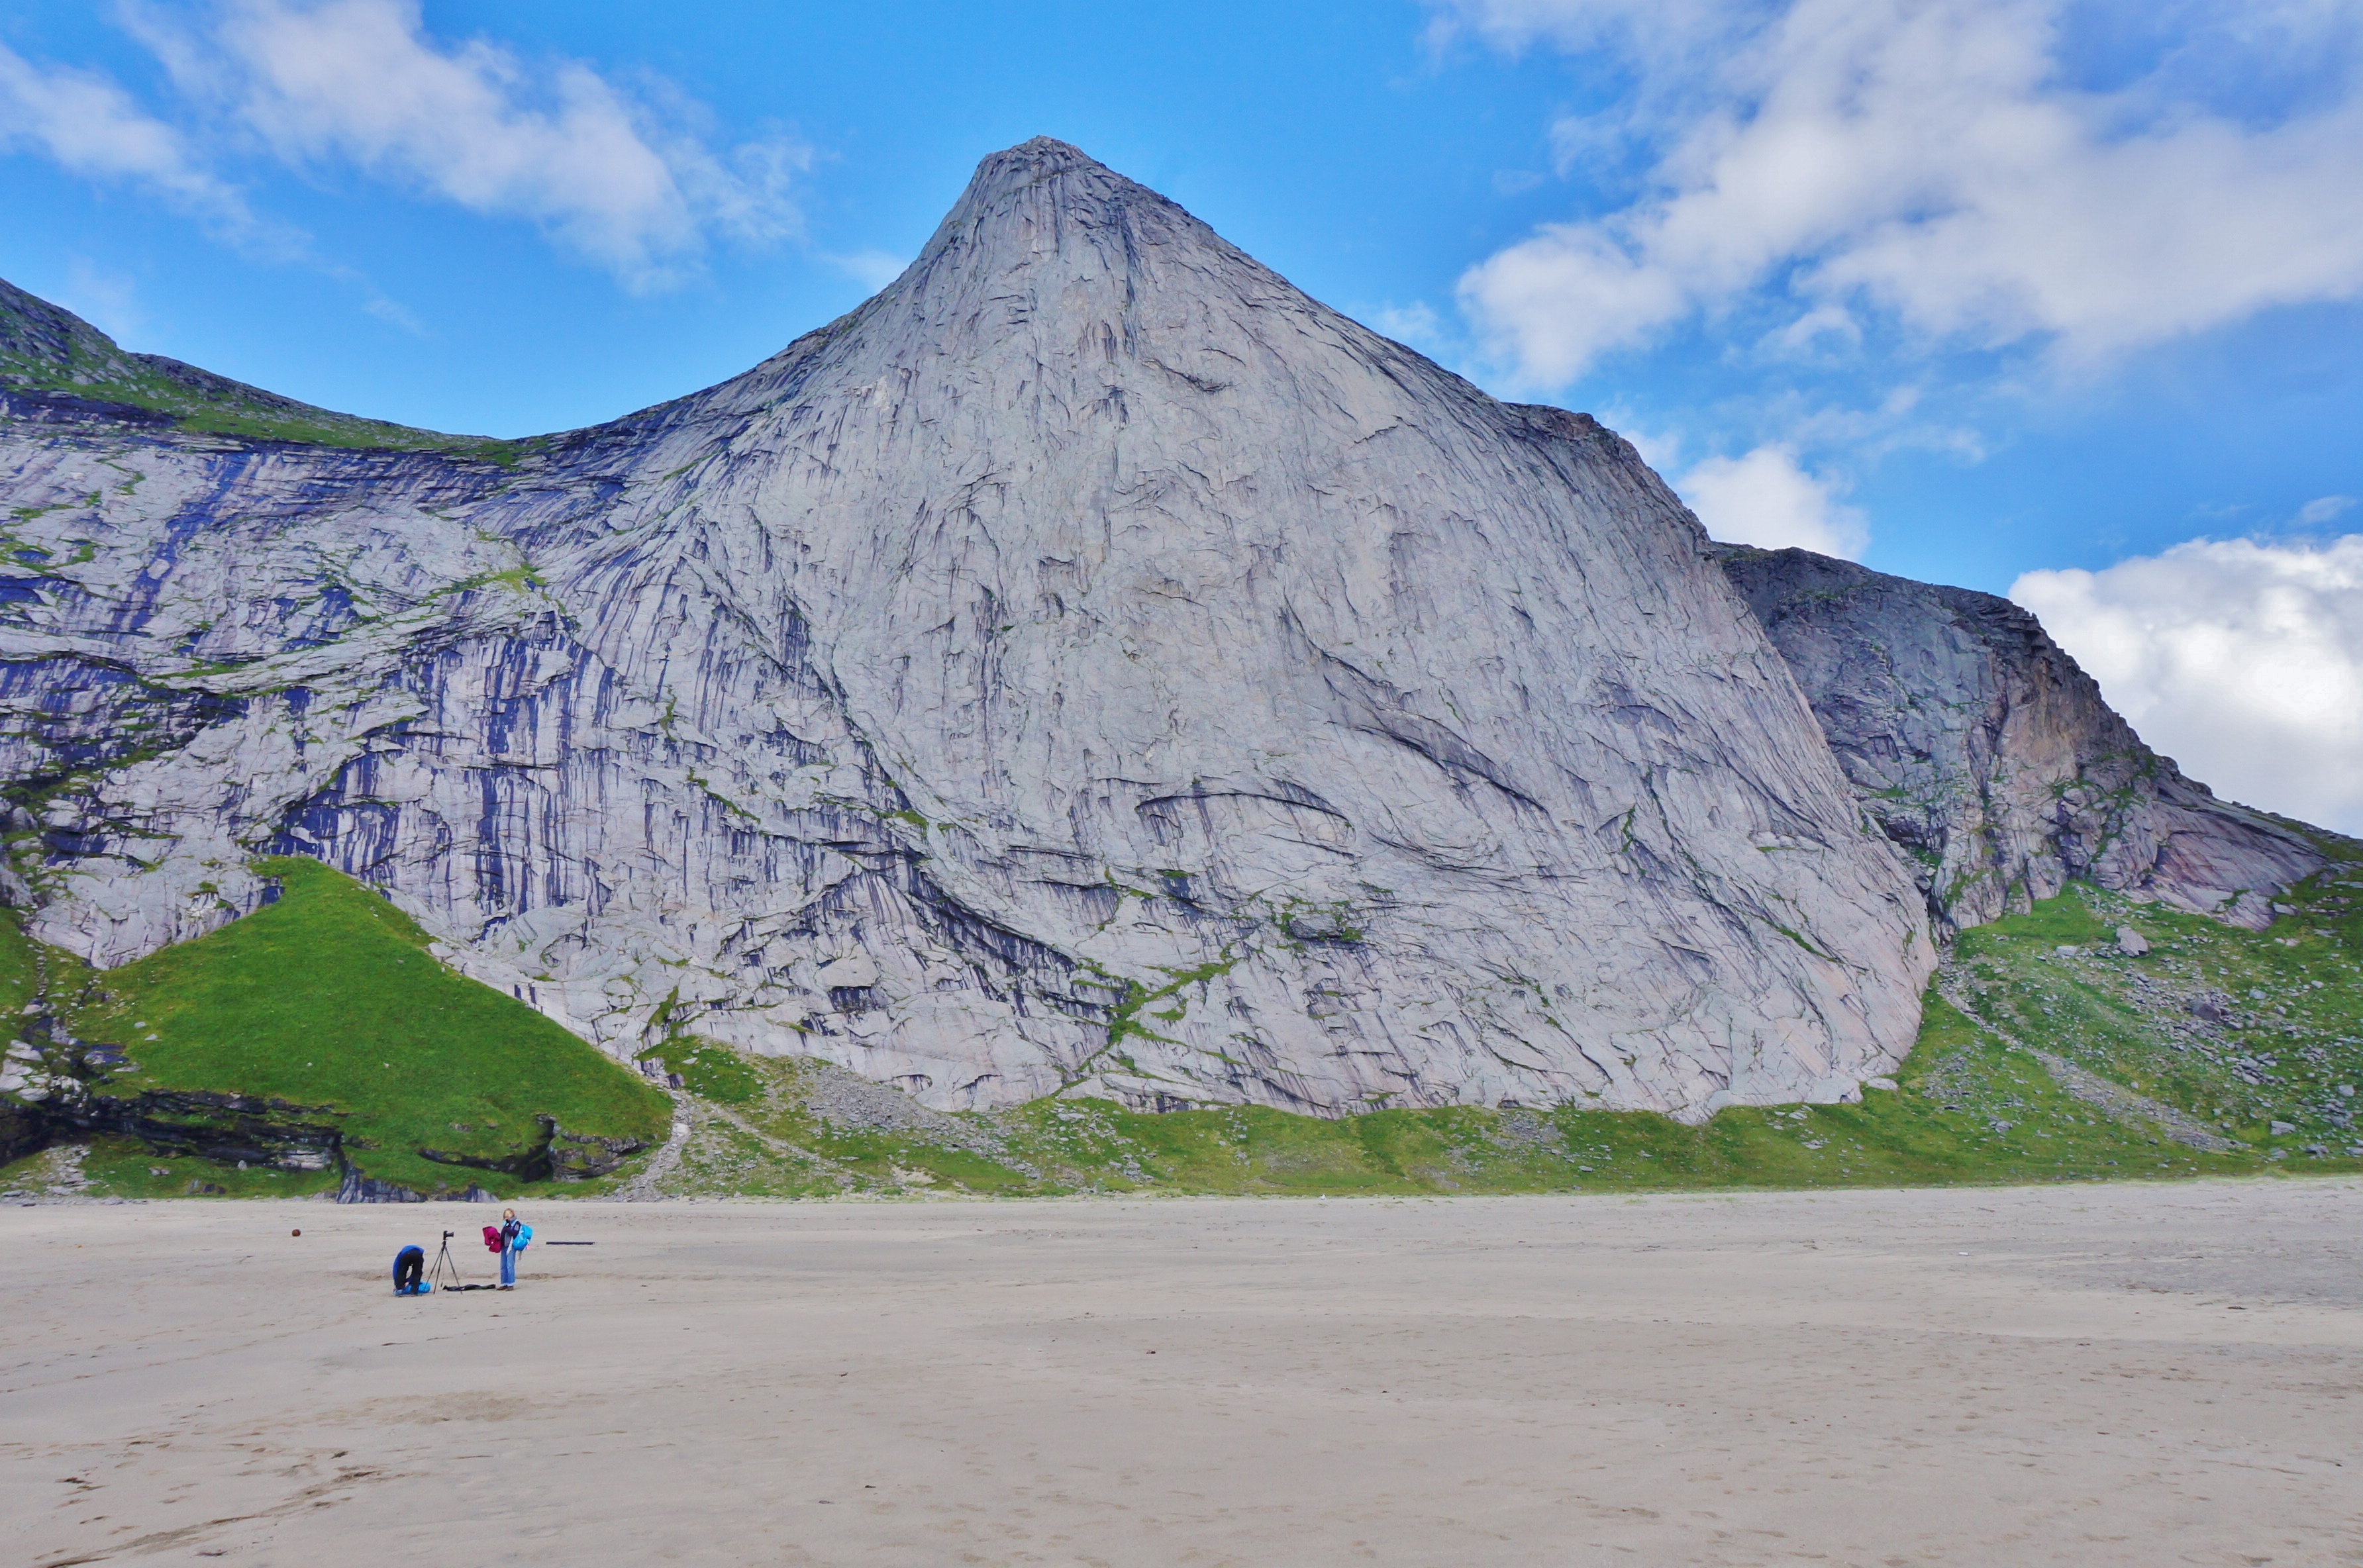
[(445, 1274)]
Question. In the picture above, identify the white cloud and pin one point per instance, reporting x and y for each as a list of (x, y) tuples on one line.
[(1929, 158), (623, 178), (1767, 499), (2241, 659), (1802, 337), (1660, 448), (394, 313), (1547, 306), (108, 301), (2323, 509), (1661, 29), (90, 127), (1415, 324), (873, 269)]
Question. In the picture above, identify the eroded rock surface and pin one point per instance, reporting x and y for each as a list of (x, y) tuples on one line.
[(1990, 757), (1089, 665)]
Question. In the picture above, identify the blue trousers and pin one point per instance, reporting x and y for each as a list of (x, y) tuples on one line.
[(508, 1265)]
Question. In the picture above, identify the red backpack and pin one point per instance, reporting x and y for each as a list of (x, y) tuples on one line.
[(491, 1238)]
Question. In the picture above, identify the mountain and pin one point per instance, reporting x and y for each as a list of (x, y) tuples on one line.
[(1989, 757), (1091, 667)]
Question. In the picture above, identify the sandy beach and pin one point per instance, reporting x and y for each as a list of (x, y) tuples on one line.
[(2077, 1374)]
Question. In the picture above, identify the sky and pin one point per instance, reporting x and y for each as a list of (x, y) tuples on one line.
[(2056, 300)]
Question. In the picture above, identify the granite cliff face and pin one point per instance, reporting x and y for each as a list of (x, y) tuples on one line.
[(1988, 755), (1092, 665)]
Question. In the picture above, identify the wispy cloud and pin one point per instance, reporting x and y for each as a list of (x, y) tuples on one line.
[(89, 126), (107, 300), (873, 269), (624, 178), (627, 174), (1415, 324), (394, 313), (1932, 160)]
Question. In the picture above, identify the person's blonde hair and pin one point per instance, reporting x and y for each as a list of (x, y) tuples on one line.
[(508, 1214)]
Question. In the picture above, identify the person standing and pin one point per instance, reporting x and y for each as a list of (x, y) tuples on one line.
[(514, 1234)]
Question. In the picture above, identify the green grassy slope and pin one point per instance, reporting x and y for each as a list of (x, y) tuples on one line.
[(2251, 1035), (44, 349), (2045, 1055), (18, 973), (330, 998), (1977, 1102)]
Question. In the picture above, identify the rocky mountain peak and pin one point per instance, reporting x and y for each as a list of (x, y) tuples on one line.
[(1046, 177), (1035, 158), (1091, 667)]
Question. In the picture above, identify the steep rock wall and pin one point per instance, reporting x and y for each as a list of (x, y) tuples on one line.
[(1090, 666), (1990, 757)]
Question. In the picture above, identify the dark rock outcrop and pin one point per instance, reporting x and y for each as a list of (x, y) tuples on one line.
[(579, 1156), (355, 1187), (224, 1128), (228, 1128), (1983, 751), (557, 1155)]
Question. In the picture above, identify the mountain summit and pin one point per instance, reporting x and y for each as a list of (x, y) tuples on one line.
[(1091, 666)]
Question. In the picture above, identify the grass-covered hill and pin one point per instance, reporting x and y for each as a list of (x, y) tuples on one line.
[(46, 351), (2049, 1053), (324, 1012)]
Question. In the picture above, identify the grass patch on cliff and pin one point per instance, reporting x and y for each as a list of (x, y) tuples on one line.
[(708, 1068), (19, 972), (328, 997), (51, 351), (97, 371)]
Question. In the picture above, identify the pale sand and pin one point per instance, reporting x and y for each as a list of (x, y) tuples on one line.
[(2007, 1378)]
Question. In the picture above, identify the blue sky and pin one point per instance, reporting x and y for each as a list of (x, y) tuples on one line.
[(2028, 295)]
